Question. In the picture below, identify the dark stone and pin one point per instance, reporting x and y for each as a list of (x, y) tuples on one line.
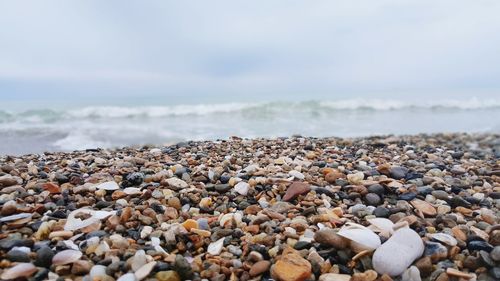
[(494, 195), (135, 178), (413, 175), (59, 214), (486, 259), (300, 245), (377, 189), (424, 190), (162, 266), (103, 204), (224, 179), (60, 178), (44, 257), (17, 256), (41, 275), (381, 212), (472, 200), (440, 194), (182, 266), (372, 199), (114, 267), (457, 201), (495, 272), (8, 243), (222, 187), (407, 196), (96, 233), (398, 172), (478, 245)]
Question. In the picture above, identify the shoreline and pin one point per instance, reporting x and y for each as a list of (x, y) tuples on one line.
[(295, 208)]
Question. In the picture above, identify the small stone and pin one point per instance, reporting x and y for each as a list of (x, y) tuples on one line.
[(436, 251), (18, 271), (355, 178), (332, 176), (456, 273), (291, 267), (259, 267), (479, 245), (377, 189), (81, 267), (411, 274), (189, 224), (215, 248), (182, 267), (177, 183), (174, 202), (135, 178), (334, 277), (398, 172), (368, 275), (408, 196), (44, 257), (205, 202), (397, 253), (495, 254), (440, 194), (242, 188), (17, 256), (381, 212), (426, 208), (110, 185), (296, 189), (372, 199), (424, 265), (169, 275), (97, 271), (329, 237)]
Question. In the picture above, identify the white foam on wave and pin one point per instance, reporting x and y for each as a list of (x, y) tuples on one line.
[(158, 111), (473, 103), (79, 141)]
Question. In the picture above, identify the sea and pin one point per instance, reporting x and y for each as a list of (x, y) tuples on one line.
[(77, 126)]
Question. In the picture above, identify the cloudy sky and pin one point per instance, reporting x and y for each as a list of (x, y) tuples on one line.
[(193, 49)]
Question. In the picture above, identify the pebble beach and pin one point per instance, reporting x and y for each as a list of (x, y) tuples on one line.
[(416, 207)]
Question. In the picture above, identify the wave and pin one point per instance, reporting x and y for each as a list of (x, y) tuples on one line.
[(103, 112)]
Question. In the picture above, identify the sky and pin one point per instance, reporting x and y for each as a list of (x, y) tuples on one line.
[(199, 50)]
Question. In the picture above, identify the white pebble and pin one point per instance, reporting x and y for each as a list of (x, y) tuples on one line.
[(215, 248)]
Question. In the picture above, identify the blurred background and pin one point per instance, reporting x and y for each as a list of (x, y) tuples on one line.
[(86, 74)]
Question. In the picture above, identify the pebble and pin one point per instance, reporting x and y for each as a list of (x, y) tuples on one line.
[(426, 208), (215, 248), (397, 253), (259, 268), (495, 254), (44, 257), (330, 237), (296, 189), (17, 256), (372, 199), (169, 275), (291, 267), (242, 188)]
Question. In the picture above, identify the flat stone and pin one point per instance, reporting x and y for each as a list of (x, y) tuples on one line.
[(330, 237), (169, 275), (398, 253), (291, 267), (426, 208), (296, 189), (259, 267), (398, 172)]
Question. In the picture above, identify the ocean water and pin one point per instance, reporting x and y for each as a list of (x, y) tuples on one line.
[(106, 126)]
